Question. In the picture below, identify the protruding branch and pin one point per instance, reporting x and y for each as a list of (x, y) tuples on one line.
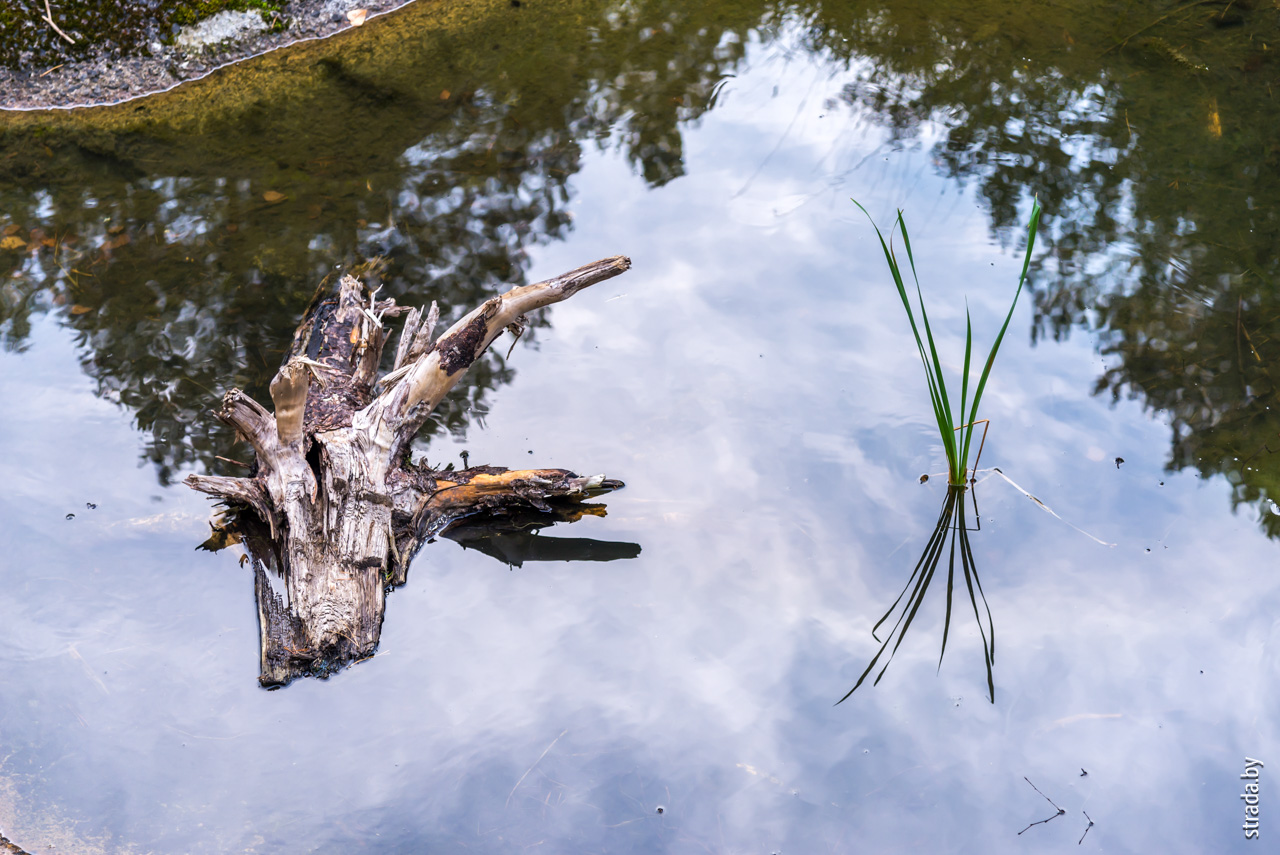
[(289, 394), (244, 491), (489, 491), (252, 420), (397, 414), (452, 502)]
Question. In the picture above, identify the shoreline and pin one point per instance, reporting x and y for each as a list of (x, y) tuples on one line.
[(102, 81)]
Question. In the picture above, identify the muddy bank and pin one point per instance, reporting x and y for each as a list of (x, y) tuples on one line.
[(164, 55)]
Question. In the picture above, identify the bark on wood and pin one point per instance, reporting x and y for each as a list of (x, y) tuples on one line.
[(334, 512)]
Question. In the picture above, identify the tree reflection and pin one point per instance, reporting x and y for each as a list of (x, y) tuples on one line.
[(182, 260), (1153, 141), (1161, 166)]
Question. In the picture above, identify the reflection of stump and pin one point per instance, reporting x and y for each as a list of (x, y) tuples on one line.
[(10, 848), (342, 509)]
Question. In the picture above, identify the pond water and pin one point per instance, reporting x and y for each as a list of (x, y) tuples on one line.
[(754, 382)]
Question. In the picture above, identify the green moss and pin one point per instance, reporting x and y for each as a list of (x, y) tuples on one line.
[(115, 27), (192, 11)]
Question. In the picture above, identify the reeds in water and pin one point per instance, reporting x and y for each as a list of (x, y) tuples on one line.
[(956, 446), (951, 533)]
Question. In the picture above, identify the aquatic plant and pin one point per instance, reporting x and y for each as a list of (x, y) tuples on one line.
[(956, 440), (956, 446)]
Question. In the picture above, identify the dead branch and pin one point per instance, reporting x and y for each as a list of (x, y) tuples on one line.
[(48, 17), (345, 512), (395, 417), (244, 491), (251, 420)]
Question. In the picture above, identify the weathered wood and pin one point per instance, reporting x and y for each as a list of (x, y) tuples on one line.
[(344, 511), (396, 415)]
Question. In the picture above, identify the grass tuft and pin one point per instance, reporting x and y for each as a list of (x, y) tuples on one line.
[(956, 436), (950, 530)]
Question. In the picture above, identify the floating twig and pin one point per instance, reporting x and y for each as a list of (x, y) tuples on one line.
[(1060, 811), (1086, 828), (1048, 509)]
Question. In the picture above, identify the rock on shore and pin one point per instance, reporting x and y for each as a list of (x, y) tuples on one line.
[(104, 76)]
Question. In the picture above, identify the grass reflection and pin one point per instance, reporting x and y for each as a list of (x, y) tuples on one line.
[(950, 537)]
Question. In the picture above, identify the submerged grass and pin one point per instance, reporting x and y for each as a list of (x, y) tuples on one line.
[(956, 447)]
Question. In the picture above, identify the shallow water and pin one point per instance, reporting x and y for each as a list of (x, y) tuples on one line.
[(752, 380)]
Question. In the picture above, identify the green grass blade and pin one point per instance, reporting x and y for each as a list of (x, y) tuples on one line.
[(933, 377), (957, 441), (966, 432), (941, 401), (991, 357)]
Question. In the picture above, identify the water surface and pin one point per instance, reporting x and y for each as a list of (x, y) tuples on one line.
[(752, 380)]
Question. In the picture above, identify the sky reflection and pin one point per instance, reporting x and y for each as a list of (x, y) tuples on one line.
[(753, 382)]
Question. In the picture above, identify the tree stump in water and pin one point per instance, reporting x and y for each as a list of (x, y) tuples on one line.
[(334, 510)]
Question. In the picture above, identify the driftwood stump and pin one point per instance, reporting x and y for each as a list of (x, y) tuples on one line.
[(334, 510)]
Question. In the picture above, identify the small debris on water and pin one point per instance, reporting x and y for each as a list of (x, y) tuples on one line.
[(71, 516), (1119, 460), (1083, 772), (1087, 827), (91, 506)]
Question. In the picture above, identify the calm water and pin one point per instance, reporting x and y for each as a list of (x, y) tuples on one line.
[(752, 380)]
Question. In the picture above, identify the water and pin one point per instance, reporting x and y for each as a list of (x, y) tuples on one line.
[(753, 382)]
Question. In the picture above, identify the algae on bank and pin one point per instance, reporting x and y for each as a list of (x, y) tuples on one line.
[(110, 27)]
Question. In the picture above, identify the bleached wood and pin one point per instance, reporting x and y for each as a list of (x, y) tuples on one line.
[(395, 417), (345, 512)]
